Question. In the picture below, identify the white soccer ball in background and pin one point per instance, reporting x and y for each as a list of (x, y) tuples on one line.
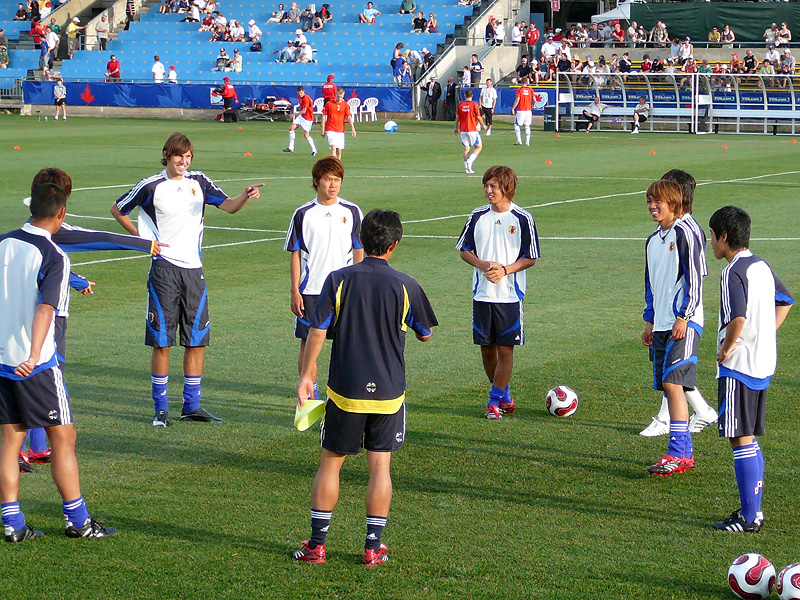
[(390, 127), (751, 577), (788, 583), (561, 401)]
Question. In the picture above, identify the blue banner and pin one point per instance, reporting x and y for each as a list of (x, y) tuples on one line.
[(154, 95)]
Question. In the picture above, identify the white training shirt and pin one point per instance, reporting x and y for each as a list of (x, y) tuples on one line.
[(325, 237), (488, 97), (158, 72), (172, 212), (503, 238)]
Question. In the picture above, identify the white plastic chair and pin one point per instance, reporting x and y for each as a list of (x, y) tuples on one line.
[(368, 109), (319, 103), (355, 105)]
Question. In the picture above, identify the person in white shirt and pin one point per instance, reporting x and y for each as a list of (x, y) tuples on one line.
[(593, 112), (640, 114), (172, 76), (516, 35), (549, 48), (499, 33), (101, 30), (306, 54), (253, 32), (488, 101), (236, 62), (237, 32), (158, 70)]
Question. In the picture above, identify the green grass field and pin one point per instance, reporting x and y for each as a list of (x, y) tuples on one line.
[(530, 507)]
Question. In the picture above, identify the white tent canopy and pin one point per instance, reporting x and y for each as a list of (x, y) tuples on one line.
[(622, 12)]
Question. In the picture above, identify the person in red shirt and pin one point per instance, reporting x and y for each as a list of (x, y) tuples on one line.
[(228, 93), (522, 111), (334, 115), (469, 116), (304, 118), (113, 69), (532, 38), (329, 90)]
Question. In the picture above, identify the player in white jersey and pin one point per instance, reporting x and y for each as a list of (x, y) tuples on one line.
[(501, 242), (753, 305), (673, 316), (704, 414), (171, 210), (323, 237)]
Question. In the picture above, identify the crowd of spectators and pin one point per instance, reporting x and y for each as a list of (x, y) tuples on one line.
[(408, 65), (297, 50)]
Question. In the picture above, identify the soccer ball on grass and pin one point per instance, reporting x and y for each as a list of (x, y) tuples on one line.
[(788, 584), (751, 577), (561, 401)]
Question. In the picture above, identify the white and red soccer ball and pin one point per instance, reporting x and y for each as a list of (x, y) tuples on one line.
[(751, 577), (561, 401), (788, 583)]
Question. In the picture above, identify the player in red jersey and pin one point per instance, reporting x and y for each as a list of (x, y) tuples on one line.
[(469, 115), (334, 116), (329, 90), (522, 111), (304, 118)]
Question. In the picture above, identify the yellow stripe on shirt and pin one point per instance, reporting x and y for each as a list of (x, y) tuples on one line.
[(373, 407)]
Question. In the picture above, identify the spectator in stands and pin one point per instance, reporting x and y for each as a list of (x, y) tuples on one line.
[(593, 112), (37, 32), (278, 16), (237, 32), (21, 14), (293, 14), (641, 37), (659, 35), (647, 63), (686, 51), (317, 23), (193, 15), (602, 71), (236, 62), (516, 34), (607, 34), (624, 65), (705, 68), (211, 6), (771, 34), (325, 13), (728, 37), (165, 8), (172, 76), (689, 68), (772, 55), (398, 67), (306, 54), (532, 39), (488, 33), (549, 48), (101, 29), (432, 25), (299, 38), (499, 33), (52, 45), (428, 58), (788, 60), (286, 54), (475, 70), (3, 38), (253, 31), (631, 34), (714, 37), (750, 62), (407, 7), (223, 61), (208, 23), (398, 51), (46, 9), (564, 64), (73, 30), (618, 36), (369, 15), (523, 70), (593, 36), (306, 19), (158, 70), (113, 69), (5, 59), (33, 11), (784, 35), (766, 70), (415, 63), (465, 77), (419, 23), (736, 64)]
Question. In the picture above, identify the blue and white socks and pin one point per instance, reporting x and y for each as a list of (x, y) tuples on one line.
[(12, 516), (191, 393), (320, 523), (75, 512), (748, 464), (160, 401), (680, 440), (375, 527)]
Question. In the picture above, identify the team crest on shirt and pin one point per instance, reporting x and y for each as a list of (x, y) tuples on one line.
[(193, 191), (671, 246), (344, 220), (512, 229)]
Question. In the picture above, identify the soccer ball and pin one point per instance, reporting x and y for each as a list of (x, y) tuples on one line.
[(390, 127), (751, 576), (561, 401), (788, 584)]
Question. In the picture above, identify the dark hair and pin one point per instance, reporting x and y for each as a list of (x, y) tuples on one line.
[(505, 177), (176, 145), (379, 230), (55, 176), (733, 222), (687, 183), (46, 200), (330, 165), (468, 93)]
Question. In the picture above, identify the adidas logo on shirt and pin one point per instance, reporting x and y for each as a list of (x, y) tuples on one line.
[(498, 222), (328, 215)]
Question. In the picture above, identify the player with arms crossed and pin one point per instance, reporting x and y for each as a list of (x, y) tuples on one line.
[(469, 116), (500, 240), (753, 305), (704, 414), (323, 236), (303, 118), (172, 210), (34, 282), (370, 306), (334, 115), (673, 316), (523, 112)]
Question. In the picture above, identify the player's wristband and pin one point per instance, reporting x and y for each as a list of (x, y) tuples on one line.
[(684, 319), (505, 270)]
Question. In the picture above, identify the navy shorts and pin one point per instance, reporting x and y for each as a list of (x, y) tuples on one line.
[(176, 296), (346, 432), (302, 323), (41, 400), (497, 323), (675, 361), (742, 410)]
